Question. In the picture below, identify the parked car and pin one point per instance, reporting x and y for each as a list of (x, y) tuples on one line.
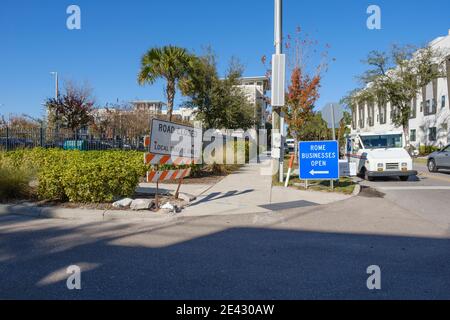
[(14, 143), (439, 160)]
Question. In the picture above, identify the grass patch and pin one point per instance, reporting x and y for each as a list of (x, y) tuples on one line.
[(343, 185), (421, 160), (14, 181)]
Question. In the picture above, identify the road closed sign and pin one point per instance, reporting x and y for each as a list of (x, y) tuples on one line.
[(168, 138), (319, 160)]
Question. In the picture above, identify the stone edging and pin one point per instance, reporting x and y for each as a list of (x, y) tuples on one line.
[(31, 210)]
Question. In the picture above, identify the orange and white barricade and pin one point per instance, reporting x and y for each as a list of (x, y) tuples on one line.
[(164, 175)]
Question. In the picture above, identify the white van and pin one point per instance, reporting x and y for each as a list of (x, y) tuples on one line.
[(380, 155)]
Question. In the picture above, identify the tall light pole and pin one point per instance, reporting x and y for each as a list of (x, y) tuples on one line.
[(278, 88), (56, 98), (56, 84)]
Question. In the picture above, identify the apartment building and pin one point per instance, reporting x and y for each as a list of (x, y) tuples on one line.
[(430, 110), (149, 106), (256, 88)]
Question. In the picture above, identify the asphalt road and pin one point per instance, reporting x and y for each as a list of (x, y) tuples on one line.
[(307, 253), (427, 195)]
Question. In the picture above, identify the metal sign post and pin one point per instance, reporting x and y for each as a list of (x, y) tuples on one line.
[(334, 138), (172, 144)]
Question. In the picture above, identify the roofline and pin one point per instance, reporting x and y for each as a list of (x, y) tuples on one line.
[(255, 78), (148, 101)]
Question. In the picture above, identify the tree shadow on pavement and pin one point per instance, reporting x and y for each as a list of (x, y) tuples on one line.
[(162, 262)]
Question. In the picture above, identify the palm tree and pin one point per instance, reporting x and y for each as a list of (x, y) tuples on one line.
[(168, 62)]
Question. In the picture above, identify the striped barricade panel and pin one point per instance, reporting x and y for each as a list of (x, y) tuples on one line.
[(156, 176), (150, 158)]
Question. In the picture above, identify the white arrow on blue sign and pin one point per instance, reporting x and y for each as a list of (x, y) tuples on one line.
[(319, 160)]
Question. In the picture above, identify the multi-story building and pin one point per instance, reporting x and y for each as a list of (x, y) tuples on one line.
[(149, 106), (184, 114), (430, 110), (255, 88)]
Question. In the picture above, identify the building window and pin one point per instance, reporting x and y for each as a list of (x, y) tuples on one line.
[(432, 134), (428, 106), (362, 117), (421, 106), (382, 110), (433, 106), (412, 135), (413, 109), (354, 119), (443, 102), (371, 115)]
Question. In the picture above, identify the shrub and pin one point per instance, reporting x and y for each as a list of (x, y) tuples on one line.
[(427, 149), (76, 176), (14, 180), (95, 176)]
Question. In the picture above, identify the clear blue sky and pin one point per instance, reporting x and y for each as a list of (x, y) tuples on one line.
[(34, 40)]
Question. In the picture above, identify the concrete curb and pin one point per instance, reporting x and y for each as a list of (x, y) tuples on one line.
[(357, 190), (30, 210)]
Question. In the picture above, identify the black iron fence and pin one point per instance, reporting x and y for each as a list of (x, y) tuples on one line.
[(19, 138)]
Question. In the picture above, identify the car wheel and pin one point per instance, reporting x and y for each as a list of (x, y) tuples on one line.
[(432, 165), (403, 178)]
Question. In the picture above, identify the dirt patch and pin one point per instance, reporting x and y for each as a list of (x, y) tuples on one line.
[(368, 192), (198, 180), (96, 206)]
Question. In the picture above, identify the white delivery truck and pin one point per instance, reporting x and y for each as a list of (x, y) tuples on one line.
[(380, 155)]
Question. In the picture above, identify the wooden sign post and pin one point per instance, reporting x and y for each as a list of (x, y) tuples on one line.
[(161, 152)]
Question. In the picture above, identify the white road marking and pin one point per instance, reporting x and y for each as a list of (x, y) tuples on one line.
[(415, 188)]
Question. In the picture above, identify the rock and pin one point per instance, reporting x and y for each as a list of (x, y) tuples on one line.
[(124, 203), (168, 206), (142, 204), (186, 197)]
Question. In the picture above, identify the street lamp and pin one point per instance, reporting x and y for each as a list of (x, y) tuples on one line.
[(56, 84), (278, 89), (56, 98)]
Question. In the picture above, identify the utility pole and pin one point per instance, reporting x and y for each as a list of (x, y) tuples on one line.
[(56, 98), (334, 137), (56, 84), (278, 87)]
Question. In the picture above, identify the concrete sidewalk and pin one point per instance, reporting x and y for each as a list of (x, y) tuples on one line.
[(250, 191)]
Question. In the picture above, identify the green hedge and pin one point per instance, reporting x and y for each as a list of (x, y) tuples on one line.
[(425, 150), (77, 176)]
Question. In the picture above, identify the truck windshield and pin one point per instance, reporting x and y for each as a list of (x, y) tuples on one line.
[(382, 141)]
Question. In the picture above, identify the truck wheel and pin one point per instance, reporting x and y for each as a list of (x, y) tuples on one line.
[(432, 165), (403, 178)]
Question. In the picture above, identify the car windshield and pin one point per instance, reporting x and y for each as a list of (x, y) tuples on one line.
[(382, 141)]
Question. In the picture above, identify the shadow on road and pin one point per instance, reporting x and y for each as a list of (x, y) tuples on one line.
[(226, 263)]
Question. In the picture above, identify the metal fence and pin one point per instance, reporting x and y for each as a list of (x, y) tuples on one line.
[(19, 138)]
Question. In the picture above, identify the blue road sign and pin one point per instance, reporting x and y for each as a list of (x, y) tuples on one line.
[(319, 160)]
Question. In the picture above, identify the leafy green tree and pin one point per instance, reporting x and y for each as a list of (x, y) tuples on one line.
[(314, 128), (344, 127), (170, 63), (398, 77), (220, 103)]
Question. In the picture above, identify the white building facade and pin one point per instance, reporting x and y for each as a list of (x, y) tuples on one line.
[(430, 111), (255, 89)]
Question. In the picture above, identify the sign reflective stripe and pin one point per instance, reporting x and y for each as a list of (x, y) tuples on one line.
[(154, 176), (150, 158)]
